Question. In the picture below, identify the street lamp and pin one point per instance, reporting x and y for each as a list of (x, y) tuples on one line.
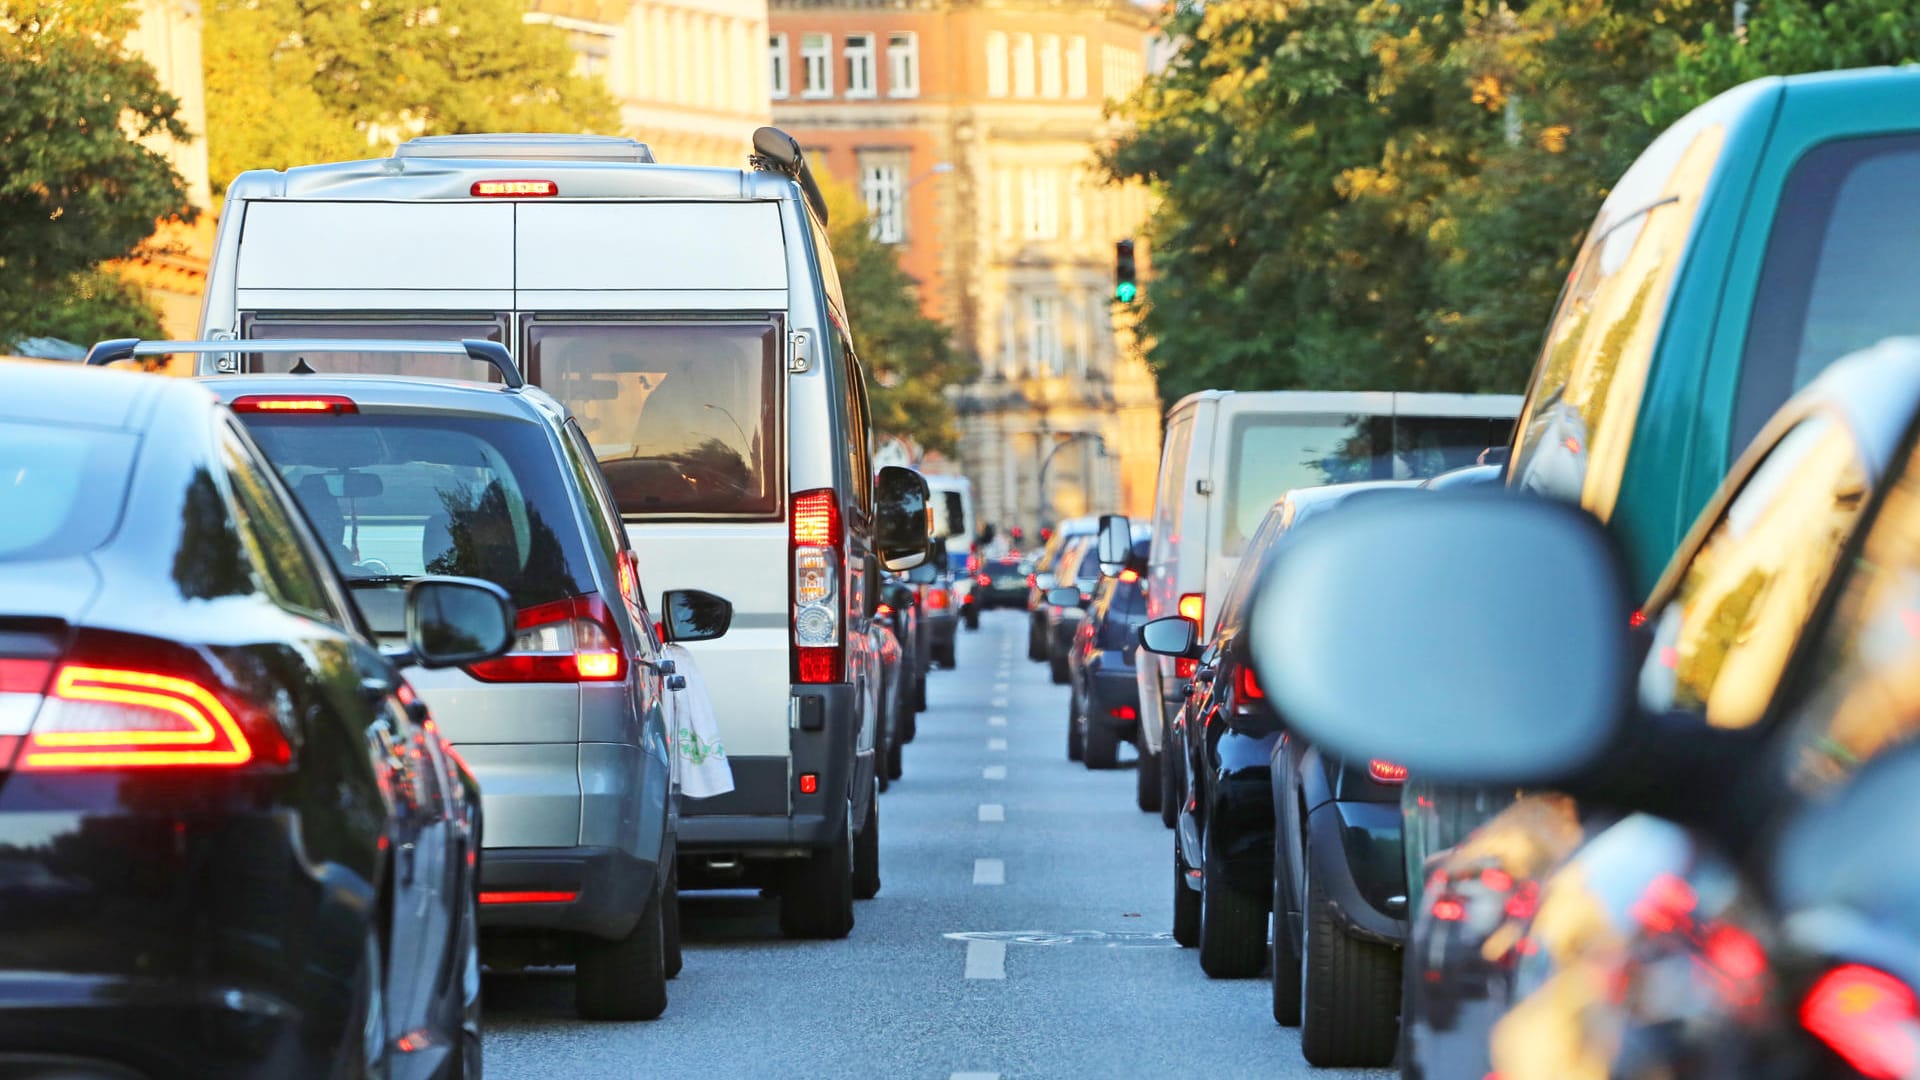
[(1072, 437)]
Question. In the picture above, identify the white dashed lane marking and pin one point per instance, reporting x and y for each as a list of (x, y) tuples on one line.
[(994, 772), (989, 872), (986, 959), (996, 744), (996, 721), (992, 812)]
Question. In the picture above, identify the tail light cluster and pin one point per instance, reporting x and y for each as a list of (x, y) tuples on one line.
[(1386, 772), (819, 653), (1868, 1017), (938, 599), (572, 640), (1193, 606), (147, 710)]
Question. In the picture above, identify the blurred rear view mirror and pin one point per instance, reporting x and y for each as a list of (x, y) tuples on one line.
[(1173, 636), (1064, 596), (901, 525), (1116, 543), (1386, 630), (693, 615)]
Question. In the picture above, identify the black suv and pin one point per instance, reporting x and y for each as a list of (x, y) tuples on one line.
[(1103, 702)]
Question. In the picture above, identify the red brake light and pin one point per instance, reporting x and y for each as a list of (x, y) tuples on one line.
[(1868, 1017), (303, 404), (1496, 879), (816, 519), (819, 654), (884, 609), (1447, 909), (983, 581), (118, 718), (1185, 668), (529, 897), (1245, 686), (809, 783), (1386, 772), (1124, 712), (513, 189), (1129, 576), (1032, 579), (1637, 620), (938, 599), (571, 640), (1194, 606)]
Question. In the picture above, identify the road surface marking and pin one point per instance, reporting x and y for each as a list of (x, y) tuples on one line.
[(974, 1076), (989, 872), (1000, 688), (986, 959), (994, 772), (998, 703), (996, 744), (992, 811), (996, 721)]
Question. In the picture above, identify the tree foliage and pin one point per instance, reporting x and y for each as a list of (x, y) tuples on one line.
[(909, 357), (291, 82), (1388, 193), (77, 186)]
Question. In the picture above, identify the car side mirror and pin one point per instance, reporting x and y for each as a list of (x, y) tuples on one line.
[(1115, 544), (1175, 635), (453, 621), (1064, 596), (901, 521), (693, 615), (1478, 652)]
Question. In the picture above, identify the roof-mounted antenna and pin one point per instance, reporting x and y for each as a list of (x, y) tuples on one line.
[(300, 368)]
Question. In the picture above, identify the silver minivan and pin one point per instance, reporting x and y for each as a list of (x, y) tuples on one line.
[(692, 322)]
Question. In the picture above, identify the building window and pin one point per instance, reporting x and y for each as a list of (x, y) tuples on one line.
[(1050, 65), (1077, 67), (777, 79), (1043, 336), (1040, 197), (996, 64), (1077, 187), (859, 54), (1023, 65), (883, 184), (1003, 202), (903, 65), (816, 65)]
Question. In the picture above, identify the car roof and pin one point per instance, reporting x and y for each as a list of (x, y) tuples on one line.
[(75, 395), (450, 179), (401, 393)]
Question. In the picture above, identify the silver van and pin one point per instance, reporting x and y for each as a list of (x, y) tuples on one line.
[(691, 320)]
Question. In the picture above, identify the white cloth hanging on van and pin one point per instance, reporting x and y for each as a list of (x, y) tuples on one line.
[(704, 770)]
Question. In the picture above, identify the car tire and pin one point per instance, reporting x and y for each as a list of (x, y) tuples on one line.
[(1036, 639), (866, 855), (973, 619), (816, 899), (943, 656), (1102, 744), (919, 700), (1057, 668), (1186, 903), (1075, 748), (625, 979), (1284, 957), (670, 915), (1233, 925), (894, 766), (881, 777), (1146, 779), (1173, 781), (1349, 990)]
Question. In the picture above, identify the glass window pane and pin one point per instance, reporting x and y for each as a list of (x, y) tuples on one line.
[(481, 327), (44, 473)]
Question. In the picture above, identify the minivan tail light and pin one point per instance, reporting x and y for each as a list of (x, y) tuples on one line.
[(513, 189), (1868, 1017), (1194, 606), (938, 599), (128, 718), (819, 656), (1386, 772), (571, 640), (299, 404), (1245, 686)]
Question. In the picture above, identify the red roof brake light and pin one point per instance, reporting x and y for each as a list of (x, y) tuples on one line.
[(513, 189), (1386, 772), (295, 404)]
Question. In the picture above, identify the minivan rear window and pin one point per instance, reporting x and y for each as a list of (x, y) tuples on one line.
[(421, 365), (394, 497), (1273, 453), (61, 488), (683, 416)]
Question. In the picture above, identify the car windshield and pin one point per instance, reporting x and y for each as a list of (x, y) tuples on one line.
[(395, 497), (62, 488)]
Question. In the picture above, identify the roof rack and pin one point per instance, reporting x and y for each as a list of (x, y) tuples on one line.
[(776, 151), (487, 352), (518, 146)]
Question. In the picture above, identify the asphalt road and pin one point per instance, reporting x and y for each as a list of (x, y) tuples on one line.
[(1022, 931)]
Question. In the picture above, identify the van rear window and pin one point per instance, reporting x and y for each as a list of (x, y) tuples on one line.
[(424, 365), (682, 416)]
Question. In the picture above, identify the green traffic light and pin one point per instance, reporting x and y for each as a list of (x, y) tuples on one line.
[(1125, 292)]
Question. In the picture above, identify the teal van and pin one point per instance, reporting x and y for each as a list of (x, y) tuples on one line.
[(1767, 234)]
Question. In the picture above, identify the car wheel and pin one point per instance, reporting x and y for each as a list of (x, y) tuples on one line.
[(1186, 903), (919, 700), (1172, 778), (670, 916), (1349, 989), (866, 855), (816, 899), (1102, 744), (1233, 925), (625, 979), (1057, 668), (894, 766), (1036, 639), (881, 776), (1146, 779), (973, 619), (944, 656), (1285, 954), (1075, 748)]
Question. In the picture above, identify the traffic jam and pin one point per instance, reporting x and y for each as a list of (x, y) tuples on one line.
[(486, 600)]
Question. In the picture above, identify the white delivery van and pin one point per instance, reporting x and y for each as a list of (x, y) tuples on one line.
[(1228, 455), (691, 319)]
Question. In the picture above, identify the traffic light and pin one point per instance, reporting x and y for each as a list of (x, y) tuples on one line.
[(1125, 289)]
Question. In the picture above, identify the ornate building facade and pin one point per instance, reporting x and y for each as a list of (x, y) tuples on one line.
[(969, 130)]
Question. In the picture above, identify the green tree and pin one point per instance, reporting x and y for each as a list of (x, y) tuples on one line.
[(909, 357), (296, 81), (77, 186)]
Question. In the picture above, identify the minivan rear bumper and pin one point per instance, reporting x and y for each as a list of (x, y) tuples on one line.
[(609, 887), (828, 751)]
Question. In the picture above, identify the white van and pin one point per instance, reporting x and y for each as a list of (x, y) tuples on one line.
[(1229, 455), (692, 321)]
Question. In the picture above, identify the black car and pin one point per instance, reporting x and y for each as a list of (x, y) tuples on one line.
[(232, 842), (1075, 575), (1722, 883), (1001, 583), (1103, 702)]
